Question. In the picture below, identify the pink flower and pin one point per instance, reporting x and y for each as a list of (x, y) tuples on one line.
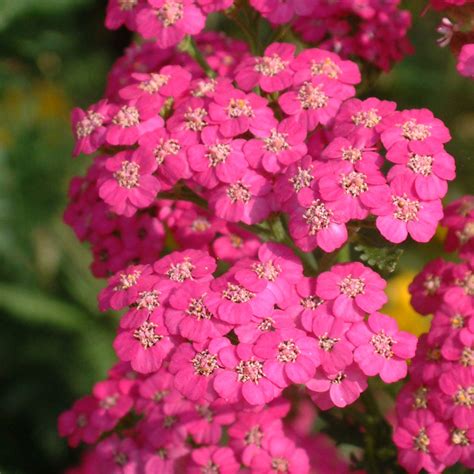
[(122, 289), (318, 62), (427, 165), (151, 90), (459, 218), (428, 287), (237, 303), (179, 267), (381, 348), (247, 199), (290, 356), (217, 159), (169, 21), (114, 448), (222, 52), (450, 319), (237, 112), (353, 289), (304, 304), (235, 244), (462, 283), (281, 455), (351, 189), (89, 127), (333, 348), (403, 213), (429, 363), (205, 424), (145, 346), (252, 431), (196, 228), (458, 384), (416, 125), (417, 396), (465, 65), (167, 457), (128, 183), (272, 72), (168, 420), (243, 377), (151, 293), (129, 122), (363, 118), (259, 325), (337, 388), (192, 313), (461, 447), (275, 273), (213, 459), (296, 181), (353, 151), (195, 369), (277, 148), (122, 12), (282, 11), (191, 115), (154, 390), (75, 424), (314, 223), (313, 102), (421, 441), (112, 405), (168, 152)]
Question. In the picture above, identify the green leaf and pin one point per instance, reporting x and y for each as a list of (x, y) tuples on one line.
[(382, 258), (33, 307)]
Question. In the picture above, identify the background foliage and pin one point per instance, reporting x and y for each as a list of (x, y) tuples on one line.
[(54, 344)]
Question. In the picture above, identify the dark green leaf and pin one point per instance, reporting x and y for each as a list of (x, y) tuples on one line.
[(384, 259)]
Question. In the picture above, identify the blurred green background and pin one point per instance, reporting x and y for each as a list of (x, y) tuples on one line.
[(54, 345)]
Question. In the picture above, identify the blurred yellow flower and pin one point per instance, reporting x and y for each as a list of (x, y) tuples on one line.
[(51, 100), (441, 233), (399, 307)]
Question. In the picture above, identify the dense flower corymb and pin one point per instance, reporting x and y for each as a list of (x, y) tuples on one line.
[(227, 178)]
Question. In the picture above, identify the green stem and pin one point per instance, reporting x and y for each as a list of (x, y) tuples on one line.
[(242, 16), (188, 45), (183, 193), (280, 232)]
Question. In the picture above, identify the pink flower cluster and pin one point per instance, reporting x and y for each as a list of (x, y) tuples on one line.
[(221, 154), (196, 350), (304, 148), (373, 30), (435, 409), (165, 21), (173, 435)]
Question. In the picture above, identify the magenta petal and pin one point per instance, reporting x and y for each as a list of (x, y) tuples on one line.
[(190, 385), (275, 371), (301, 370), (226, 385), (253, 393), (393, 370), (392, 229), (345, 308), (370, 363)]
